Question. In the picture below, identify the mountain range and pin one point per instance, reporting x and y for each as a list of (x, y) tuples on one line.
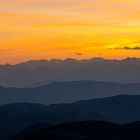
[(66, 92), (87, 130), (118, 109), (39, 72)]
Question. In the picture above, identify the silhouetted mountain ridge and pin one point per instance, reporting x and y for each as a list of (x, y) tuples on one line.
[(66, 92), (87, 130), (37, 71), (119, 109)]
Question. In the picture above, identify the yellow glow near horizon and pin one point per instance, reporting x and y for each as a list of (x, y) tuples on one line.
[(45, 29)]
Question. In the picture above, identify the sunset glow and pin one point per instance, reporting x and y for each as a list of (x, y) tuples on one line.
[(45, 29)]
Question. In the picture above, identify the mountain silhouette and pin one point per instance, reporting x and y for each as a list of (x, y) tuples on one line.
[(87, 130), (118, 109), (66, 92), (35, 72)]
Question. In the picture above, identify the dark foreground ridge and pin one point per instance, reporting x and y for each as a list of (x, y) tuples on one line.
[(118, 109), (87, 130)]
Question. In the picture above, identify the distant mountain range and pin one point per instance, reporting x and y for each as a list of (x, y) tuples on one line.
[(37, 72), (87, 130), (66, 92), (119, 109)]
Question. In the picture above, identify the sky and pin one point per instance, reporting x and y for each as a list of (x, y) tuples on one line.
[(81, 29)]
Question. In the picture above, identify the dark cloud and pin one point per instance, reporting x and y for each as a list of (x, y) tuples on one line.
[(78, 53), (128, 48)]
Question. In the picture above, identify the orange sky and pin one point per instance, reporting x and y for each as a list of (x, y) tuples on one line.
[(35, 29)]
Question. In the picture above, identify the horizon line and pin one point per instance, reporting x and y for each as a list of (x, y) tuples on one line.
[(57, 59)]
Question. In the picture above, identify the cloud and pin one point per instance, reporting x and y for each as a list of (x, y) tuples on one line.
[(128, 48), (78, 53)]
